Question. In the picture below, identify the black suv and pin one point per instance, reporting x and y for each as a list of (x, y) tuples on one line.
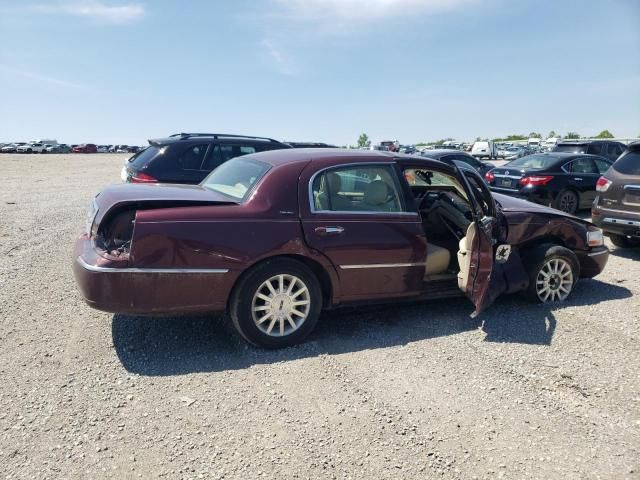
[(190, 157), (605, 148)]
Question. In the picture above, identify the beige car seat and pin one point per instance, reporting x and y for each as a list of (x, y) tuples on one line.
[(438, 259)]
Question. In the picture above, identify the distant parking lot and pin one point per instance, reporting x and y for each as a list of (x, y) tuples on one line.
[(407, 391)]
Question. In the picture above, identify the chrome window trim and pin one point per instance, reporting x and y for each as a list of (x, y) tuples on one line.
[(381, 265), (313, 210), (95, 268)]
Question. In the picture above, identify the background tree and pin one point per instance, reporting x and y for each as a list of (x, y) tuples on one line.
[(605, 134), (572, 136), (552, 134), (535, 135), (363, 141)]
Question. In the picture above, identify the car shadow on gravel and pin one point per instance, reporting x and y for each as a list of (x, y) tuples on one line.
[(628, 253), (161, 346)]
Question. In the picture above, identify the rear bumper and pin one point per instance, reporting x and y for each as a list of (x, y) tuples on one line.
[(113, 288), (617, 223), (593, 261)]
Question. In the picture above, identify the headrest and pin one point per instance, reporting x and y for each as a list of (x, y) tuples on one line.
[(334, 182)]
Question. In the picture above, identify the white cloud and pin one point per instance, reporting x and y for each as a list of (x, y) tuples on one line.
[(283, 63), (16, 72), (366, 10), (95, 9)]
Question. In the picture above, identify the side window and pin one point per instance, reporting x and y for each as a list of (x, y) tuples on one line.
[(191, 158), (581, 165), (602, 165), (614, 150), (366, 188), (594, 149), (620, 150), (229, 151), (468, 160)]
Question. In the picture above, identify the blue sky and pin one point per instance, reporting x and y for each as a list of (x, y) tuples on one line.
[(119, 71)]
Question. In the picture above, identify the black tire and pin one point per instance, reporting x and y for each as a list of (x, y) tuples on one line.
[(534, 261), (241, 304), (622, 241), (567, 201)]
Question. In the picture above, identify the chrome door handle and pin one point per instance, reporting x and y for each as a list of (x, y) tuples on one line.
[(324, 231), (578, 179)]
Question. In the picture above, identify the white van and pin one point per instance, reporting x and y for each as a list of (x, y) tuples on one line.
[(45, 141), (484, 150)]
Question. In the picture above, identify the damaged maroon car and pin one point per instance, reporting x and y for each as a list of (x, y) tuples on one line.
[(276, 237)]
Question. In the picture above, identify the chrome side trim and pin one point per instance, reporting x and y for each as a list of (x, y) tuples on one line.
[(595, 254), (622, 221), (94, 268), (632, 186), (381, 265)]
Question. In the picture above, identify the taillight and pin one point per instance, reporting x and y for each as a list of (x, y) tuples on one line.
[(141, 177), (535, 180), (603, 184), (489, 176)]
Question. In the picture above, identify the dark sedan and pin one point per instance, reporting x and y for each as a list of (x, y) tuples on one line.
[(275, 237), (450, 156), (565, 181)]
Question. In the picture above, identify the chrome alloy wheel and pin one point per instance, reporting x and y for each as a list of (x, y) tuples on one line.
[(281, 305), (554, 281)]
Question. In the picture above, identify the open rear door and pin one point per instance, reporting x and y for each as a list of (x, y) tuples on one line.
[(475, 257)]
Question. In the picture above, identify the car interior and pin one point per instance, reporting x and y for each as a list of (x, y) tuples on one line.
[(447, 220)]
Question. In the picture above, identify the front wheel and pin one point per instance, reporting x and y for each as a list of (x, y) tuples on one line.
[(553, 272), (277, 304), (622, 241)]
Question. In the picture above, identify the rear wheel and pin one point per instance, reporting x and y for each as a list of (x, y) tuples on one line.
[(553, 272), (622, 241), (567, 201), (277, 304)]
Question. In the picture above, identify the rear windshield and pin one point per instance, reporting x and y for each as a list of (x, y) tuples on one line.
[(533, 162), (236, 177), (628, 164), (143, 157), (570, 148)]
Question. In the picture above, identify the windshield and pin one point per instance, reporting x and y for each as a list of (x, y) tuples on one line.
[(533, 162), (236, 177), (628, 164)]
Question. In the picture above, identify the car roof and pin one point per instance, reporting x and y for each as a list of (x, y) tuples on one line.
[(337, 155), (562, 155)]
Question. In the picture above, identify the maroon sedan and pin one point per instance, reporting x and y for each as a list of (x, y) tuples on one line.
[(275, 237), (85, 148)]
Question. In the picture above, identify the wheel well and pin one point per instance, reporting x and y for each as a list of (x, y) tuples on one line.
[(547, 239), (317, 269)]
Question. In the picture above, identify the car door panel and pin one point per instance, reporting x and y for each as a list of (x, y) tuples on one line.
[(375, 256)]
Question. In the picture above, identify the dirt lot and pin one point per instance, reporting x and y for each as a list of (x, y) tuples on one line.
[(413, 391)]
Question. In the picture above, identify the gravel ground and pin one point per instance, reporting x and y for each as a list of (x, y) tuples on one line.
[(410, 391)]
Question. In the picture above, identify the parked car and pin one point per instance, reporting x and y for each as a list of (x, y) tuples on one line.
[(484, 150), (450, 156), (565, 181), (616, 208), (605, 148), (85, 148), (334, 228), (189, 157), (513, 153), (103, 149), (59, 148), (31, 148), (9, 148)]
